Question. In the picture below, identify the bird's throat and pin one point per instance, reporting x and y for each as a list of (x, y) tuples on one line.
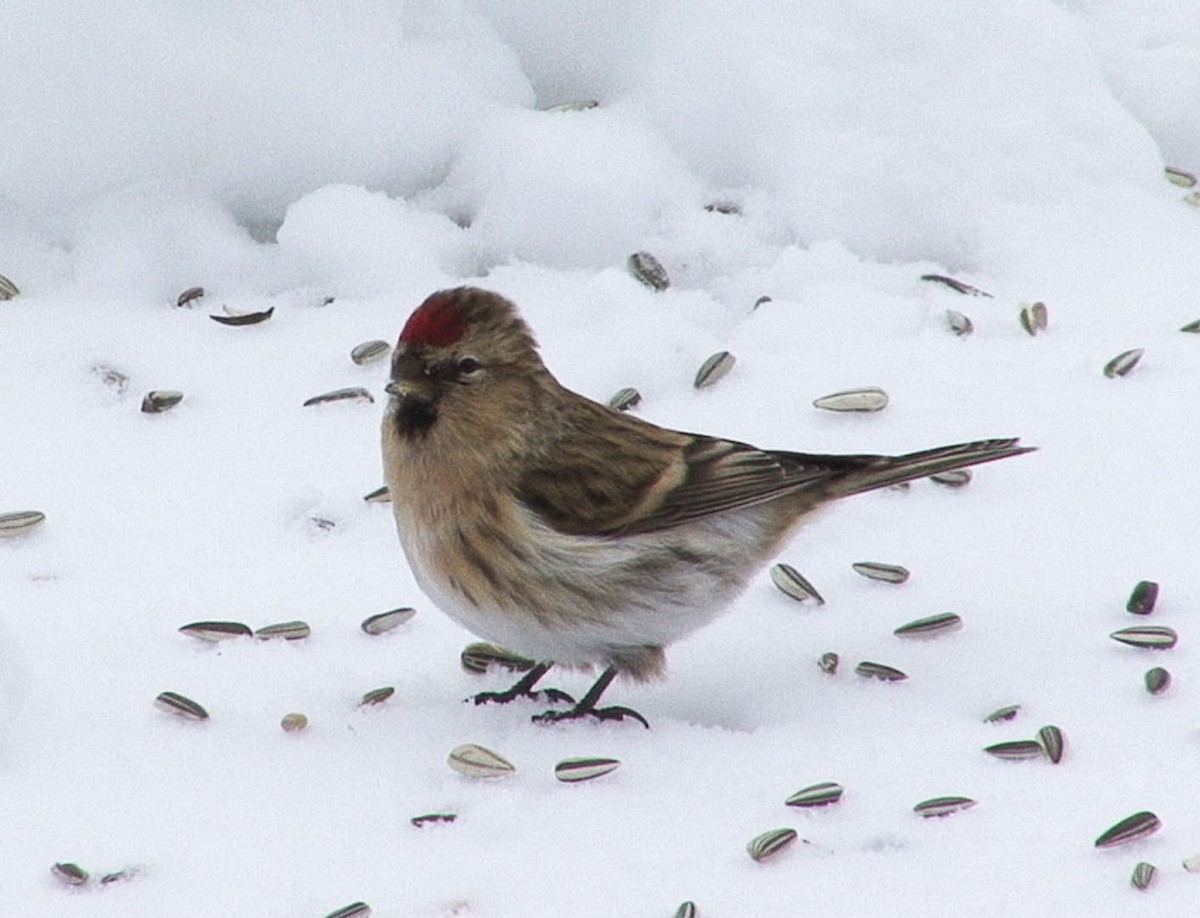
[(415, 416)]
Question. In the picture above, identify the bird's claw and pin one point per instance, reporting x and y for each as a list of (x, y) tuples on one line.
[(610, 713), (548, 696)]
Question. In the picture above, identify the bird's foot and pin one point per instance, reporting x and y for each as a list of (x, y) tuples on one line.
[(579, 711), (549, 696)]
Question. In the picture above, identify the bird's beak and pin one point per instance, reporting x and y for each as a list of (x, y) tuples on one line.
[(411, 388)]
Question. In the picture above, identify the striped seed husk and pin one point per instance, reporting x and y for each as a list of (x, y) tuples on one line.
[(180, 706), (571, 771), (383, 622), (1152, 637), (823, 794), (792, 582), (216, 631), (942, 806), (768, 844), (1131, 828), (349, 394), (930, 627), (1016, 750), (20, 522), (476, 761)]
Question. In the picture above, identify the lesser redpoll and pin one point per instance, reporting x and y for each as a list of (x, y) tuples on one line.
[(570, 532)]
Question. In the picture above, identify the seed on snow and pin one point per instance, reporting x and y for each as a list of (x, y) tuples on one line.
[(1016, 750), (293, 722), (828, 663), (584, 769), (889, 573), (942, 806), (1144, 874), (289, 631), (180, 706), (189, 296), (245, 318), (1123, 362), (383, 622), (1154, 637), (481, 656), (959, 323), (767, 845), (1131, 828), (792, 582), (714, 368), (1158, 680), (350, 394), (1192, 327), (20, 522), (582, 105), (71, 874), (869, 670), (369, 352), (476, 761), (429, 818), (216, 631), (1053, 742), (157, 401), (822, 794), (1034, 317), (1008, 712), (930, 627), (353, 910), (649, 270), (7, 288), (377, 696), (686, 910), (1143, 598), (956, 285), (624, 399), (1180, 177), (868, 398)]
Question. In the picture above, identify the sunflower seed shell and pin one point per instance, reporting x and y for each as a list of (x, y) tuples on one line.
[(377, 696), (582, 105), (430, 818), (955, 285), (624, 399), (383, 622), (888, 573), (1008, 712), (293, 722), (1158, 680), (822, 794), (1180, 177), (767, 845), (1123, 362), (869, 670), (930, 627), (955, 478), (117, 876), (7, 288), (353, 910), (1192, 328), (1034, 317), (180, 706), (216, 631), (649, 270), (1154, 637), (479, 762), (111, 377), (71, 874), (942, 806), (369, 352), (869, 398), (1143, 598), (571, 771), (1016, 750), (156, 401), (289, 631), (1144, 875), (380, 495), (245, 318), (350, 394), (829, 663), (20, 522), (686, 910), (792, 582), (481, 656), (1054, 742), (959, 323), (714, 368), (189, 296), (1131, 828), (1192, 864)]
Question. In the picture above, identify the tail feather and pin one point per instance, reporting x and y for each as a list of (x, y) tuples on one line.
[(883, 471)]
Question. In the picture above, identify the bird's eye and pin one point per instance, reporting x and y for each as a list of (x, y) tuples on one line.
[(468, 365)]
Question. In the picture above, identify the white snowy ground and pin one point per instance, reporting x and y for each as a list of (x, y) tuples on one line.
[(282, 153)]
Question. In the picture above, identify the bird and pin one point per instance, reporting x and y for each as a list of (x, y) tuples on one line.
[(573, 533)]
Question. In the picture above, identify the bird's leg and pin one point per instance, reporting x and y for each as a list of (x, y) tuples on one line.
[(524, 689), (587, 705)]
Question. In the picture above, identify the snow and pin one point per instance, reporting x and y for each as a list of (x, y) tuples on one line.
[(281, 155)]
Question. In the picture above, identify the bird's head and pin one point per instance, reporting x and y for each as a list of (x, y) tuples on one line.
[(459, 352)]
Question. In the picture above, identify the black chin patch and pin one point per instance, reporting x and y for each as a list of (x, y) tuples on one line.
[(415, 416)]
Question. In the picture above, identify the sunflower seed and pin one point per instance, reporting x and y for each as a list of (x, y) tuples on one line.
[(959, 324), (289, 631), (380, 495), (955, 285), (942, 806), (354, 910), (293, 722), (1192, 864), (245, 318), (955, 478), (1158, 680), (760, 301), (1143, 598), (791, 582), (351, 394), (383, 622), (828, 663), (177, 704), (572, 770), (1053, 742), (714, 368), (111, 377), (1008, 712), (216, 631), (624, 399), (369, 352), (1131, 828), (686, 910), (888, 573), (7, 288), (1180, 177), (71, 874), (869, 670), (1193, 198), (1192, 327), (583, 105), (117, 876), (649, 270), (479, 762), (767, 845), (20, 522), (481, 656), (429, 818), (822, 794), (189, 296), (1034, 317), (157, 401), (1144, 875), (1154, 637), (729, 208), (930, 627), (1016, 750), (376, 696), (1123, 362), (870, 398)]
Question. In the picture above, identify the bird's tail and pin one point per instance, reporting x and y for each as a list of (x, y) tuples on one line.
[(882, 471)]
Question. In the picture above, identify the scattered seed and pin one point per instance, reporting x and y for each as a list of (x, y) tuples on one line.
[(1154, 637), (829, 663), (649, 270), (1016, 750), (870, 398), (481, 656), (888, 573), (571, 771), (729, 208), (111, 377), (1158, 680), (289, 631), (1131, 828), (71, 874), (245, 318), (383, 622), (1008, 712), (377, 696), (1193, 198), (959, 323), (157, 401), (117, 876), (323, 523), (351, 394), (1144, 875), (822, 794), (7, 288), (293, 722), (770, 843), (869, 670), (624, 399), (955, 478), (686, 910), (1054, 742), (582, 105), (1143, 598), (216, 631), (380, 495), (930, 627), (369, 352), (714, 368), (189, 296), (1192, 327), (791, 582), (20, 522), (956, 285), (1123, 362), (1192, 864), (1180, 177), (760, 301), (479, 762), (177, 704), (429, 818), (354, 910), (942, 806), (1034, 317)]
